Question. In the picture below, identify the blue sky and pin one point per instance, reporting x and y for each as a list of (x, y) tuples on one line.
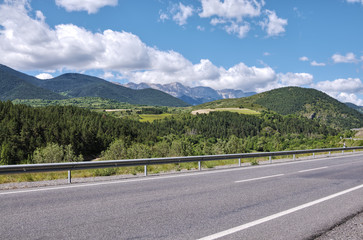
[(252, 45)]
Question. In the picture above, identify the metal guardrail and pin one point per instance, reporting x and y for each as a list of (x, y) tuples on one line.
[(69, 166)]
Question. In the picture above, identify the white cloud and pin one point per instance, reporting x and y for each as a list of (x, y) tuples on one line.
[(266, 54), (233, 16), (345, 90), (29, 43), (231, 9), (348, 58), (163, 16), (200, 28), (182, 14), (348, 97), (355, 1), (273, 24), (295, 79), (239, 30), (304, 59), (206, 73), (108, 75), (216, 21), (91, 6), (316, 64), (350, 85), (44, 76)]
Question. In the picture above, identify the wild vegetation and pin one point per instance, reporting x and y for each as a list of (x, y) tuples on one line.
[(74, 133), (309, 103)]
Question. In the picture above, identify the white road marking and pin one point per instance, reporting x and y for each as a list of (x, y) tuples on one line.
[(312, 169), (277, 215), (254, 179)]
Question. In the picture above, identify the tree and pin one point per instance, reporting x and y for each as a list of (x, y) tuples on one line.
[(54, 153), (117, 150)]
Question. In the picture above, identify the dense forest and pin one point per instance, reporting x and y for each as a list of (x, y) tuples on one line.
[(26, 133)]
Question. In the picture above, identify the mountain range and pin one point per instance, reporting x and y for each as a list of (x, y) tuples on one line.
[(17, 85), (192, 95)]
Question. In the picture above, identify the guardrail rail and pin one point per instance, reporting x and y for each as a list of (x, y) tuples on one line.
[(69, 166)]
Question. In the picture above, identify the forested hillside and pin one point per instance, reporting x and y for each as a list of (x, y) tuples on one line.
[(17, 85), (26, 131), (12, 87), (309, 103)]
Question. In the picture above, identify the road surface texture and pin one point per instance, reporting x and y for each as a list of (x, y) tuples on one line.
[(296, 200)]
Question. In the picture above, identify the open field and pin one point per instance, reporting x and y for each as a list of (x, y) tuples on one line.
[(153, 117), (236, 110)]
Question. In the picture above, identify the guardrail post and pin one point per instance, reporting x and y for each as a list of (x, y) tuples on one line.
[(313, 155), (239, 162), (199, 166), (270, 159), (329, 154), (293, 157), (69, 176), (343, 152), (145, 170)]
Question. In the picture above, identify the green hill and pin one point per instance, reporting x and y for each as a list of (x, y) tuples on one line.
[(13, 87), (309, 103), (76, 85), (17, 85)]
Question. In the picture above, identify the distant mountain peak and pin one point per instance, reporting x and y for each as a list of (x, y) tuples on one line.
[(192, 95)]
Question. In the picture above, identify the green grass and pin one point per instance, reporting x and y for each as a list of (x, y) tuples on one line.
[(240, 111), (235, 110), (153, 117)]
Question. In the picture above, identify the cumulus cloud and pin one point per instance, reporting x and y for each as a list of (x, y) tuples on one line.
[(178, 13), (317, 64), (44, 76), (349, 85), (348, 58), (239, 30), (295, 79), (231, 9), (233, 15), (348, 97), (91, 6), (182, 14), (29, 43), (345, 90), (206, 73), (273, 25)]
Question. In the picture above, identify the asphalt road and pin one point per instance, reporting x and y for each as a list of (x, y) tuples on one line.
[(296, 200)]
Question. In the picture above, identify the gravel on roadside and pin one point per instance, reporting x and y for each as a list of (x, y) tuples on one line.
[(352, 229)]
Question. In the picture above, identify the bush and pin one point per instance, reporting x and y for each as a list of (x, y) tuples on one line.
[(54, 153)]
